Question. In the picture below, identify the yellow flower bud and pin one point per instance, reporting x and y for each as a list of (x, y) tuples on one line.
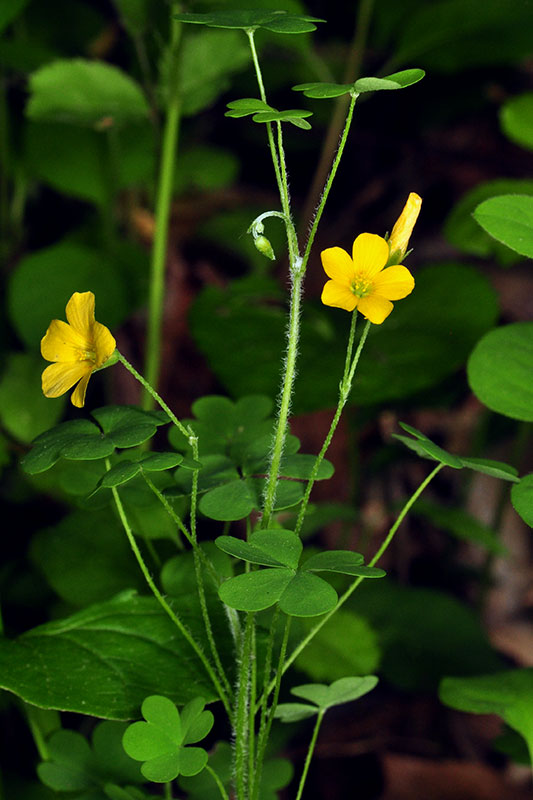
[(401, 233)]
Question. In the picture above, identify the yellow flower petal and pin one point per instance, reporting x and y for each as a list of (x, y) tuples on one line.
[(77, 398), (59, 378), (104, 344), (62, 343), (80, 312), (339, 296), (403, 228), (375, 308), (394, 283), (338, 265), (370, 254)]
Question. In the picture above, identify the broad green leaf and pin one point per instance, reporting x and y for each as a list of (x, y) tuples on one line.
[(86, 558), (516, 119), (522, 499), (299, 465), (230, 501), (275, 21), (157, 462), (119, 474), (88, 93), (399, 80), (246, 106), (295, 115), (24, 411), (344, 690), (117, 651), (508, 694), (127, 426), (500, 368), (460, 524), (334, 561), (307, 595), (47, 447), (323, 90), (295, 712), (267, 548), (462, 230), (42, 283), (509, 219), (255, 591), (71, 766), (345, 645)]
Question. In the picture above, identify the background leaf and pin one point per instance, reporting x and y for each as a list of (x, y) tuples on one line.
[(509, 219)]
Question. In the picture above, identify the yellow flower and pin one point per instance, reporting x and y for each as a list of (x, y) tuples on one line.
[(361, 281), (77, 349), (401, 233)]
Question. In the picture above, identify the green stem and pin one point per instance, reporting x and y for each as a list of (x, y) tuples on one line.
[(310, 751), (171, 512), (149, 388), (241, 716), (165, 186), (294, 256), (162, 602), (218, 782), (265, 732), (168, 791), (414, 497), (293, 334), (345, 389), (329, 181), (271, 143)]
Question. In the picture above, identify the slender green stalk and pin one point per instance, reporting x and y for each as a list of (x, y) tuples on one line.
[(149, 388), (386, 542), (168, 791), (329, 182), (163, 603), (345, 389), (310, 751), (285, 401), (265, 732), (218, 782), (170, 511), (33, 717), (241, 717), (271, 143), (294, 256), (251, 707), (165, 185)]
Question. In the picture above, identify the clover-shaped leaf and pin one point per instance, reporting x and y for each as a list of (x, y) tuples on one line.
[(428, 449), (160, 742), (344, 690), (299, 592), (246, 106), (125, 470), (250, 20), (296, 116), (398, 80)]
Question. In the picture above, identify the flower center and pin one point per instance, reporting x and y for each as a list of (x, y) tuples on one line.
[(87, 355), (361, 287)]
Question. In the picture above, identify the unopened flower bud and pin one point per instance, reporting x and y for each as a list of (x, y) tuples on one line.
[(401, 233), (264, 247)]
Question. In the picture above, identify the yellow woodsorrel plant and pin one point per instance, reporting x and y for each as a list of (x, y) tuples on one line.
[(216, 625)]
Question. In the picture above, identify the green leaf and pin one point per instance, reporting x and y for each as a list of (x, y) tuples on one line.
[(516, 119), (301, 466), (522, 499), (508, 694), (399, 80), (47, 447), (497, 469), (71, 765), (24, 411), (42, 283), (228, 502), (255, 591), (307, 595), (84, 92), (127, 426), (461, 525), (296, 116), (323, 90), (267, 548), (115, 651), (294, 712), (9, 10), (461, 229), (334, 561), (90, 566), (499, 370), (344, 690), (426, 448), (158, 462), (206, 168), (246, 106), (121, 473), (275, 21), (345, 645), (509, 219)]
